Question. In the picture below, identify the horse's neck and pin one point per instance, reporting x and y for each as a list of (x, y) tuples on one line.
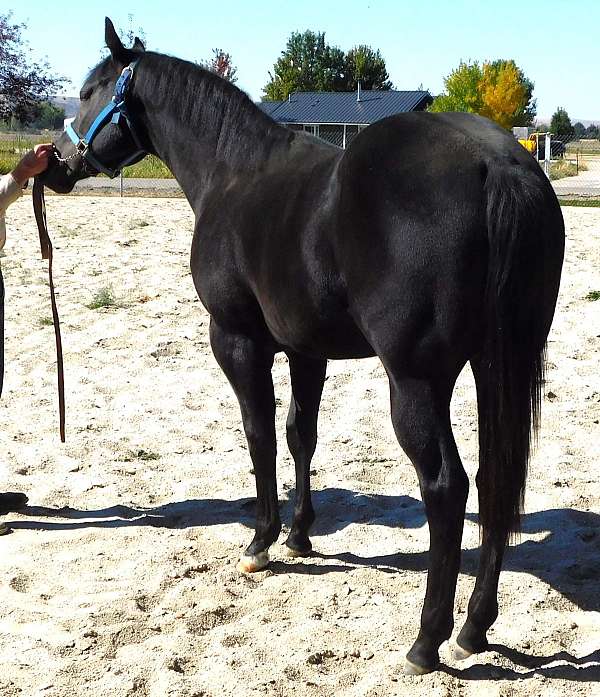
[(207, 134)]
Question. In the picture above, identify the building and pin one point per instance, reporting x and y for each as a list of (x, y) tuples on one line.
[(338, 116)]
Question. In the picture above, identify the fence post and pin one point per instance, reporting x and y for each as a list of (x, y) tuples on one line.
[(547, 145), (121, 184)]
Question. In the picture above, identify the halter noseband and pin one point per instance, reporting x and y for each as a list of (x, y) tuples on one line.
[(112, 113)]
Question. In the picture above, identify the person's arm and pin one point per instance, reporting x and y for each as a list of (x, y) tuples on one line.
[(10, 190), (11, 185)]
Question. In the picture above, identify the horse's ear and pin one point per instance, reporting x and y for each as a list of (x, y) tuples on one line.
[(138, 45), (116, 48)]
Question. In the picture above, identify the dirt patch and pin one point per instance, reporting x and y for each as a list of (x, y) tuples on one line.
[(120, 578)]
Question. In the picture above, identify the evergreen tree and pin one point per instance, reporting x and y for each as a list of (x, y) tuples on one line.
[(561, 124)]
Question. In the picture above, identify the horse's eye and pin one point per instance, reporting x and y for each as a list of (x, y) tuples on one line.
[(85, 94)]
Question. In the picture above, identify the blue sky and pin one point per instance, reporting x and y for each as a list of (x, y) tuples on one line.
[(555, 42)]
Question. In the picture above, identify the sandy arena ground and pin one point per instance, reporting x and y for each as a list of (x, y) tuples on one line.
[(120, 578)]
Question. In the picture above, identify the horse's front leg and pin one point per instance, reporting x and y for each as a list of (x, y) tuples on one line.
[(307, 378), (247, 365)]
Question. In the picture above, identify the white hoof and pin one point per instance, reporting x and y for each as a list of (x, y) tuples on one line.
[(255, 562), (412, 669), (461, 654)]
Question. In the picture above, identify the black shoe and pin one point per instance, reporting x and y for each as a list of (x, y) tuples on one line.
[(12, 501)]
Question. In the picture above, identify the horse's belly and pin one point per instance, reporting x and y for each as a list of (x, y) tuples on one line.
[(331, 338)]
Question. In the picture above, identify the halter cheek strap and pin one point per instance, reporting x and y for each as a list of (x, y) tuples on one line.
[(113, 112)]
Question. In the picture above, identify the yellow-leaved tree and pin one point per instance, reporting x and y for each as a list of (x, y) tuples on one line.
[(503, 92), (498, 90)]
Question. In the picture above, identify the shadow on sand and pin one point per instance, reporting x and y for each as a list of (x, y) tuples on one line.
[(567, 557)]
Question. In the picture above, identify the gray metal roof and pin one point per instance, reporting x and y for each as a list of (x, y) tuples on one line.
[(269, 107), (343, 107)]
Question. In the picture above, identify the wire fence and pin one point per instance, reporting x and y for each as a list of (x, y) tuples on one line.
[(575, 167), (571, 163)]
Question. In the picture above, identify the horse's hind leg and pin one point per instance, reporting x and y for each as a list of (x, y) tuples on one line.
[(247, 365), (483, 605), (307, 377), (421, 419)]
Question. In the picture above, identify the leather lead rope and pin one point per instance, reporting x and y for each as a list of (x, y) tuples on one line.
[(39, 208)]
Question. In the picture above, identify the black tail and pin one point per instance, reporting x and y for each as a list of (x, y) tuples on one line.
[(526, 244)]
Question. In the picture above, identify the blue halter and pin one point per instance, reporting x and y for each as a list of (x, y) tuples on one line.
[(112, 113)]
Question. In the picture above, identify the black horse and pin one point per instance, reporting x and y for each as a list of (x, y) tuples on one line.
[(435, 239)]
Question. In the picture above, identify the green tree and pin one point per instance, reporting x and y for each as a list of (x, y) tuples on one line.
[(367, 65), (592, 131), (462, 91), (498, 89), (307, 64), (579, 130), (23, 84), (561, 124), (49, 116)]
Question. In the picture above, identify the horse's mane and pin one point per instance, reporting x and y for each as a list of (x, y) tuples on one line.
[(204, 101)]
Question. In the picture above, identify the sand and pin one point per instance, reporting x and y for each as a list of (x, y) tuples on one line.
[(120, 578)]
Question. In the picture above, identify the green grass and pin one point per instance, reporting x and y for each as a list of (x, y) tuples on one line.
[(581, 202), (105, 297), (137, 223), (14, 146), (593, 295), (45, 321), (149, 168), (145, 455), (584, 146)]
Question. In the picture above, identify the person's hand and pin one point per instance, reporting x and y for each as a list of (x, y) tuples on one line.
[(34, 162)]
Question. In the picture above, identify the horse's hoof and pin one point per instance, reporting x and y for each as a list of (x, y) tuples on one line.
[(461, 654), (4, 529), (295, 553), (249, 564), (411, 668)]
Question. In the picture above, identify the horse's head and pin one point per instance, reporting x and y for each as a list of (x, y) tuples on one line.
[(102, 138)]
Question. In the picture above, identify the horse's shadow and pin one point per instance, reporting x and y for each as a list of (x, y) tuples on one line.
[(565, 553), (336, 510), (570, 668)]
